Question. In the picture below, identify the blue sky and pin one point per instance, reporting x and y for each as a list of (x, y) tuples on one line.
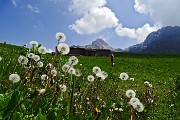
[(128, 21)]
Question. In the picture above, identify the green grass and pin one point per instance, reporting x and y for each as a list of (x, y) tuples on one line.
[(160, 70)]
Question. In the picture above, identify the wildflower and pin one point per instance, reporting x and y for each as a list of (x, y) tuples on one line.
[(0, 58), (100, 75), (53, 72), (42, 50), (63, 48), (60, 37), (49, 66), (34, 44), (72, 71), (44, 77), (96, 69), (105, 74), (120, 109), (22, 60), (130, 94), (40, 64), (124, 76), (138, 106), (42, 91), (131, 79), (146, 83), (30, 55), (62, 88), (65, 67), (133, 100), (97, 110), (73, 60), (36, 58), (90, 78), (78, 73), (14, 78)]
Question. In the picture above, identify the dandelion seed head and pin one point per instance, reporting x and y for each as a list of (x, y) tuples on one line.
[(78, 73), (96, 69), (60, 37), (130, 93), (30, 55), (40, 64), (42, 50), (63, 48), (22, 59), (73, 60), (62, 88), (36, 58), (90, 78), (33, 44), (53, 72), (72, 71), (124, 76), (14, 78), (133, 100), (65, 67), (138, 106), (44, 77), (42, 91)]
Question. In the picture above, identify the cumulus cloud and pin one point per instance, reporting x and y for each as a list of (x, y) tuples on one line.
[(14, 2), (95, 17), (33, 9), (163, 12), (140, 34)]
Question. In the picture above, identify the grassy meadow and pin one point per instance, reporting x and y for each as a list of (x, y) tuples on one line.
[(98, 100)]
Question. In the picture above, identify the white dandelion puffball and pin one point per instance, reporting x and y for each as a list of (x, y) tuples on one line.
[(65, 67), (42, 50), (96, 70), (62, 88), (133, 100), (33, 44), (63, 48), (124, 76), (100, 75), (138, 106), (53, 72), (72, 71), (44, 77), (105, 74), (23, 60), (78, 73), (90, 78), (73, 60), (146, 83), (30, 55), (130, 93), (40, 64), (14, 78), (0, 58), (150, 85), (36, 58), (42, 91), (131, 79), (60, 37)]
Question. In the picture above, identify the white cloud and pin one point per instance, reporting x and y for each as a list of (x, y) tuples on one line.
[(163, 12), (140, 34), (14, 2), (33, 9), (95, 16)]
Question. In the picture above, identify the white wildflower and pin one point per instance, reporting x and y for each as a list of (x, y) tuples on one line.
[(60, 37), (36, 58), (131, 79), (30, 55), (42, 91), (23, 60), (44, 77), (73, 60), (105, 74), (130, 93), (53, 72), (150, 85), (120, 109), (40, 64), (133, 100), (62, 88), (96, 69), (72, 71), (42, 50), (78, 73), (90, 78), (124, 76), (65, 67), (63, 48), (138, 106), (34, 44), (100, 75), (14, 78)]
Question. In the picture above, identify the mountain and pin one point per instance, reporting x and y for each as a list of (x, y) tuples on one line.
[(99, 44), (164, 41)]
